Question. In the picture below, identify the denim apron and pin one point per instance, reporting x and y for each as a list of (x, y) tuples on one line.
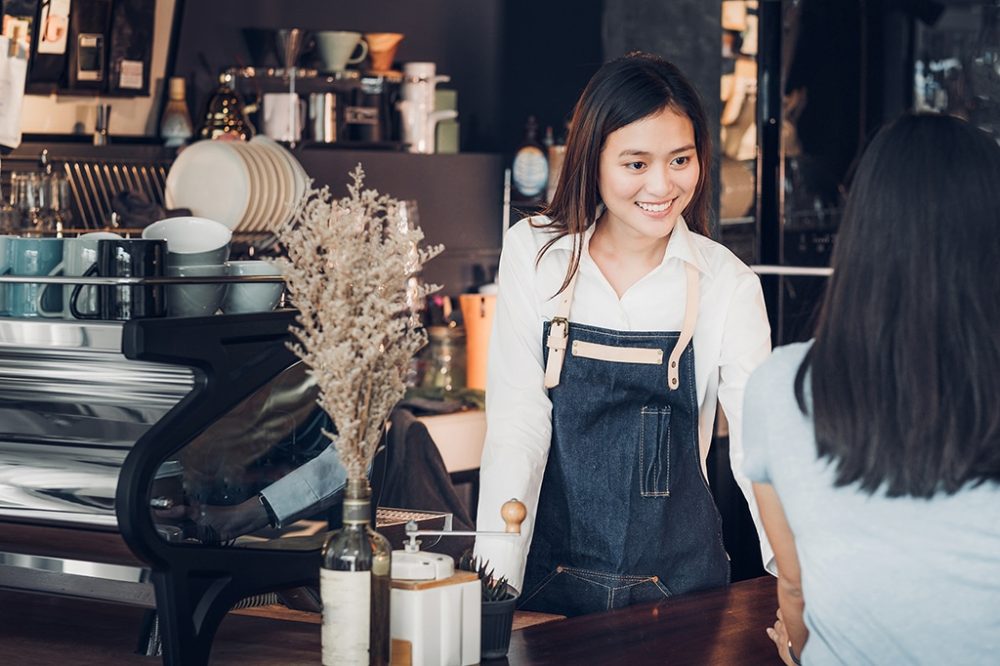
[(624, 514)]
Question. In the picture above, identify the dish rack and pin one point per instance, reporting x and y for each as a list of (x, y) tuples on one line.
[(93, 185)]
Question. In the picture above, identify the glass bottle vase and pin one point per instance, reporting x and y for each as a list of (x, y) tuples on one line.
[(355, 585)]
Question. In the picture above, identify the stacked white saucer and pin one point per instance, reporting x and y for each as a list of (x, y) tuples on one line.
[(252, 186)]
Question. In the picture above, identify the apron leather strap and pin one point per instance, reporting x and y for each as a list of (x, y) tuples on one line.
[(559, 331), (687, 329), (558, 335)]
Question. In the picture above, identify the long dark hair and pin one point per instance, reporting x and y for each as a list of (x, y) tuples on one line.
[(622, 91), (905, 367)]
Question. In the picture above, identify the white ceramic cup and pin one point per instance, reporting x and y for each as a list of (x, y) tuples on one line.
[(252, 297), (195, 300), (192, 241), (336, 46)]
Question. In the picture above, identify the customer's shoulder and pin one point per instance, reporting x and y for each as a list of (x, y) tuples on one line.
[(771, 382), (782, 365)]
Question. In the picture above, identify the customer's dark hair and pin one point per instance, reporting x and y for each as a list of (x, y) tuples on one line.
[(624, 90), (905, 367)]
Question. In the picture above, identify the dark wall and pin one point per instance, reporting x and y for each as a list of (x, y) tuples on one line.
[(458, 201), (551, 49), (685, 32), (462, 37)]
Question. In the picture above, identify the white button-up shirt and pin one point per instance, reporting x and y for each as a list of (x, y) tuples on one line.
[(731, 339)]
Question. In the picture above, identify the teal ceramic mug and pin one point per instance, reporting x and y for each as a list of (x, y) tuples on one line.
[(5, 270), (35, 257)]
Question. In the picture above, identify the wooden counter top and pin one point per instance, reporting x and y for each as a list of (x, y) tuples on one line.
[(723, 626)]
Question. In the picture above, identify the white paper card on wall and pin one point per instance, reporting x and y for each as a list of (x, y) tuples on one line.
[(13, 72), (54, 27), (130, 77)]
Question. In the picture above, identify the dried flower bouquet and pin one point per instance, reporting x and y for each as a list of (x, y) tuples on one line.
[(349, 270)]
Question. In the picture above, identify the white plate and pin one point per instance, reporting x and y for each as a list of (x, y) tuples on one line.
[(212, 180), (299, 177), (256, 193), (265, 176), (276, 188), (284, 185)]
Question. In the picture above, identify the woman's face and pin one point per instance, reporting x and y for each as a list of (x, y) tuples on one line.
[(648, 175)]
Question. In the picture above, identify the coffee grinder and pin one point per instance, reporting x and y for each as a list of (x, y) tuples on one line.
[(435, 610)]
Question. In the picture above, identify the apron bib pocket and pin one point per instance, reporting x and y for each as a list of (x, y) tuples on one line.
[(654, 451)]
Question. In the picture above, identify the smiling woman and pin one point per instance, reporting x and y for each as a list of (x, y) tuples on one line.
[(602, 423)]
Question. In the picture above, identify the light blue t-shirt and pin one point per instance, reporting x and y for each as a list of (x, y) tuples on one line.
[(885, 580)]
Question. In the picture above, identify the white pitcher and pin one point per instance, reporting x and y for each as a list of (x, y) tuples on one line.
[(417, 106)]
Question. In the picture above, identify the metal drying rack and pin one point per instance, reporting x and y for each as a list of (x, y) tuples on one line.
[(137, 281)]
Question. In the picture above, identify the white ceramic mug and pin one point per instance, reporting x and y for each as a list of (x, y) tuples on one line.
[(251, 297), (284, 116), (336, 46), (192, 241), (195, 300)]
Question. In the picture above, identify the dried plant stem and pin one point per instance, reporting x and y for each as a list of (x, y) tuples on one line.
[(347, 272)]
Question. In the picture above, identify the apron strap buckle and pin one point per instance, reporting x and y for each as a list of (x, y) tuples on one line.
[(557, 339)]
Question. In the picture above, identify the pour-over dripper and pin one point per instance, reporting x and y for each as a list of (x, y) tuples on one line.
[(289, 43)]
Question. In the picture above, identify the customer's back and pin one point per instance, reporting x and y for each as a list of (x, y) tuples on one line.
[(881, 437), (899, 580)]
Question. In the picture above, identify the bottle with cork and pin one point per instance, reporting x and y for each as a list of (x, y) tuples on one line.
[(175, 123), (530, 170)]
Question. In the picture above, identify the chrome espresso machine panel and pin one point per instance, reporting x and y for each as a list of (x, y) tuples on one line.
[(114, 436), (71, 408)]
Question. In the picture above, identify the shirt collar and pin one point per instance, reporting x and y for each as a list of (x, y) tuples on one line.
[(680, 246)]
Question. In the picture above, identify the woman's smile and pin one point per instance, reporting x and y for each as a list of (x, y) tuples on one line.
[(649, 172)]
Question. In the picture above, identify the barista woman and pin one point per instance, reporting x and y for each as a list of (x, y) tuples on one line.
[(619, 326)]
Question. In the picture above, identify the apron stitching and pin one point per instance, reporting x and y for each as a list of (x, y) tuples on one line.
[(667, 492), (656, 469), (638, 582), (656, 458), (538, 588), (631, 335), (642, 453), (605, 574), (586, 580)]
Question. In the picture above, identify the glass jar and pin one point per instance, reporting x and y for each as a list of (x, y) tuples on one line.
[(445, 367)]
